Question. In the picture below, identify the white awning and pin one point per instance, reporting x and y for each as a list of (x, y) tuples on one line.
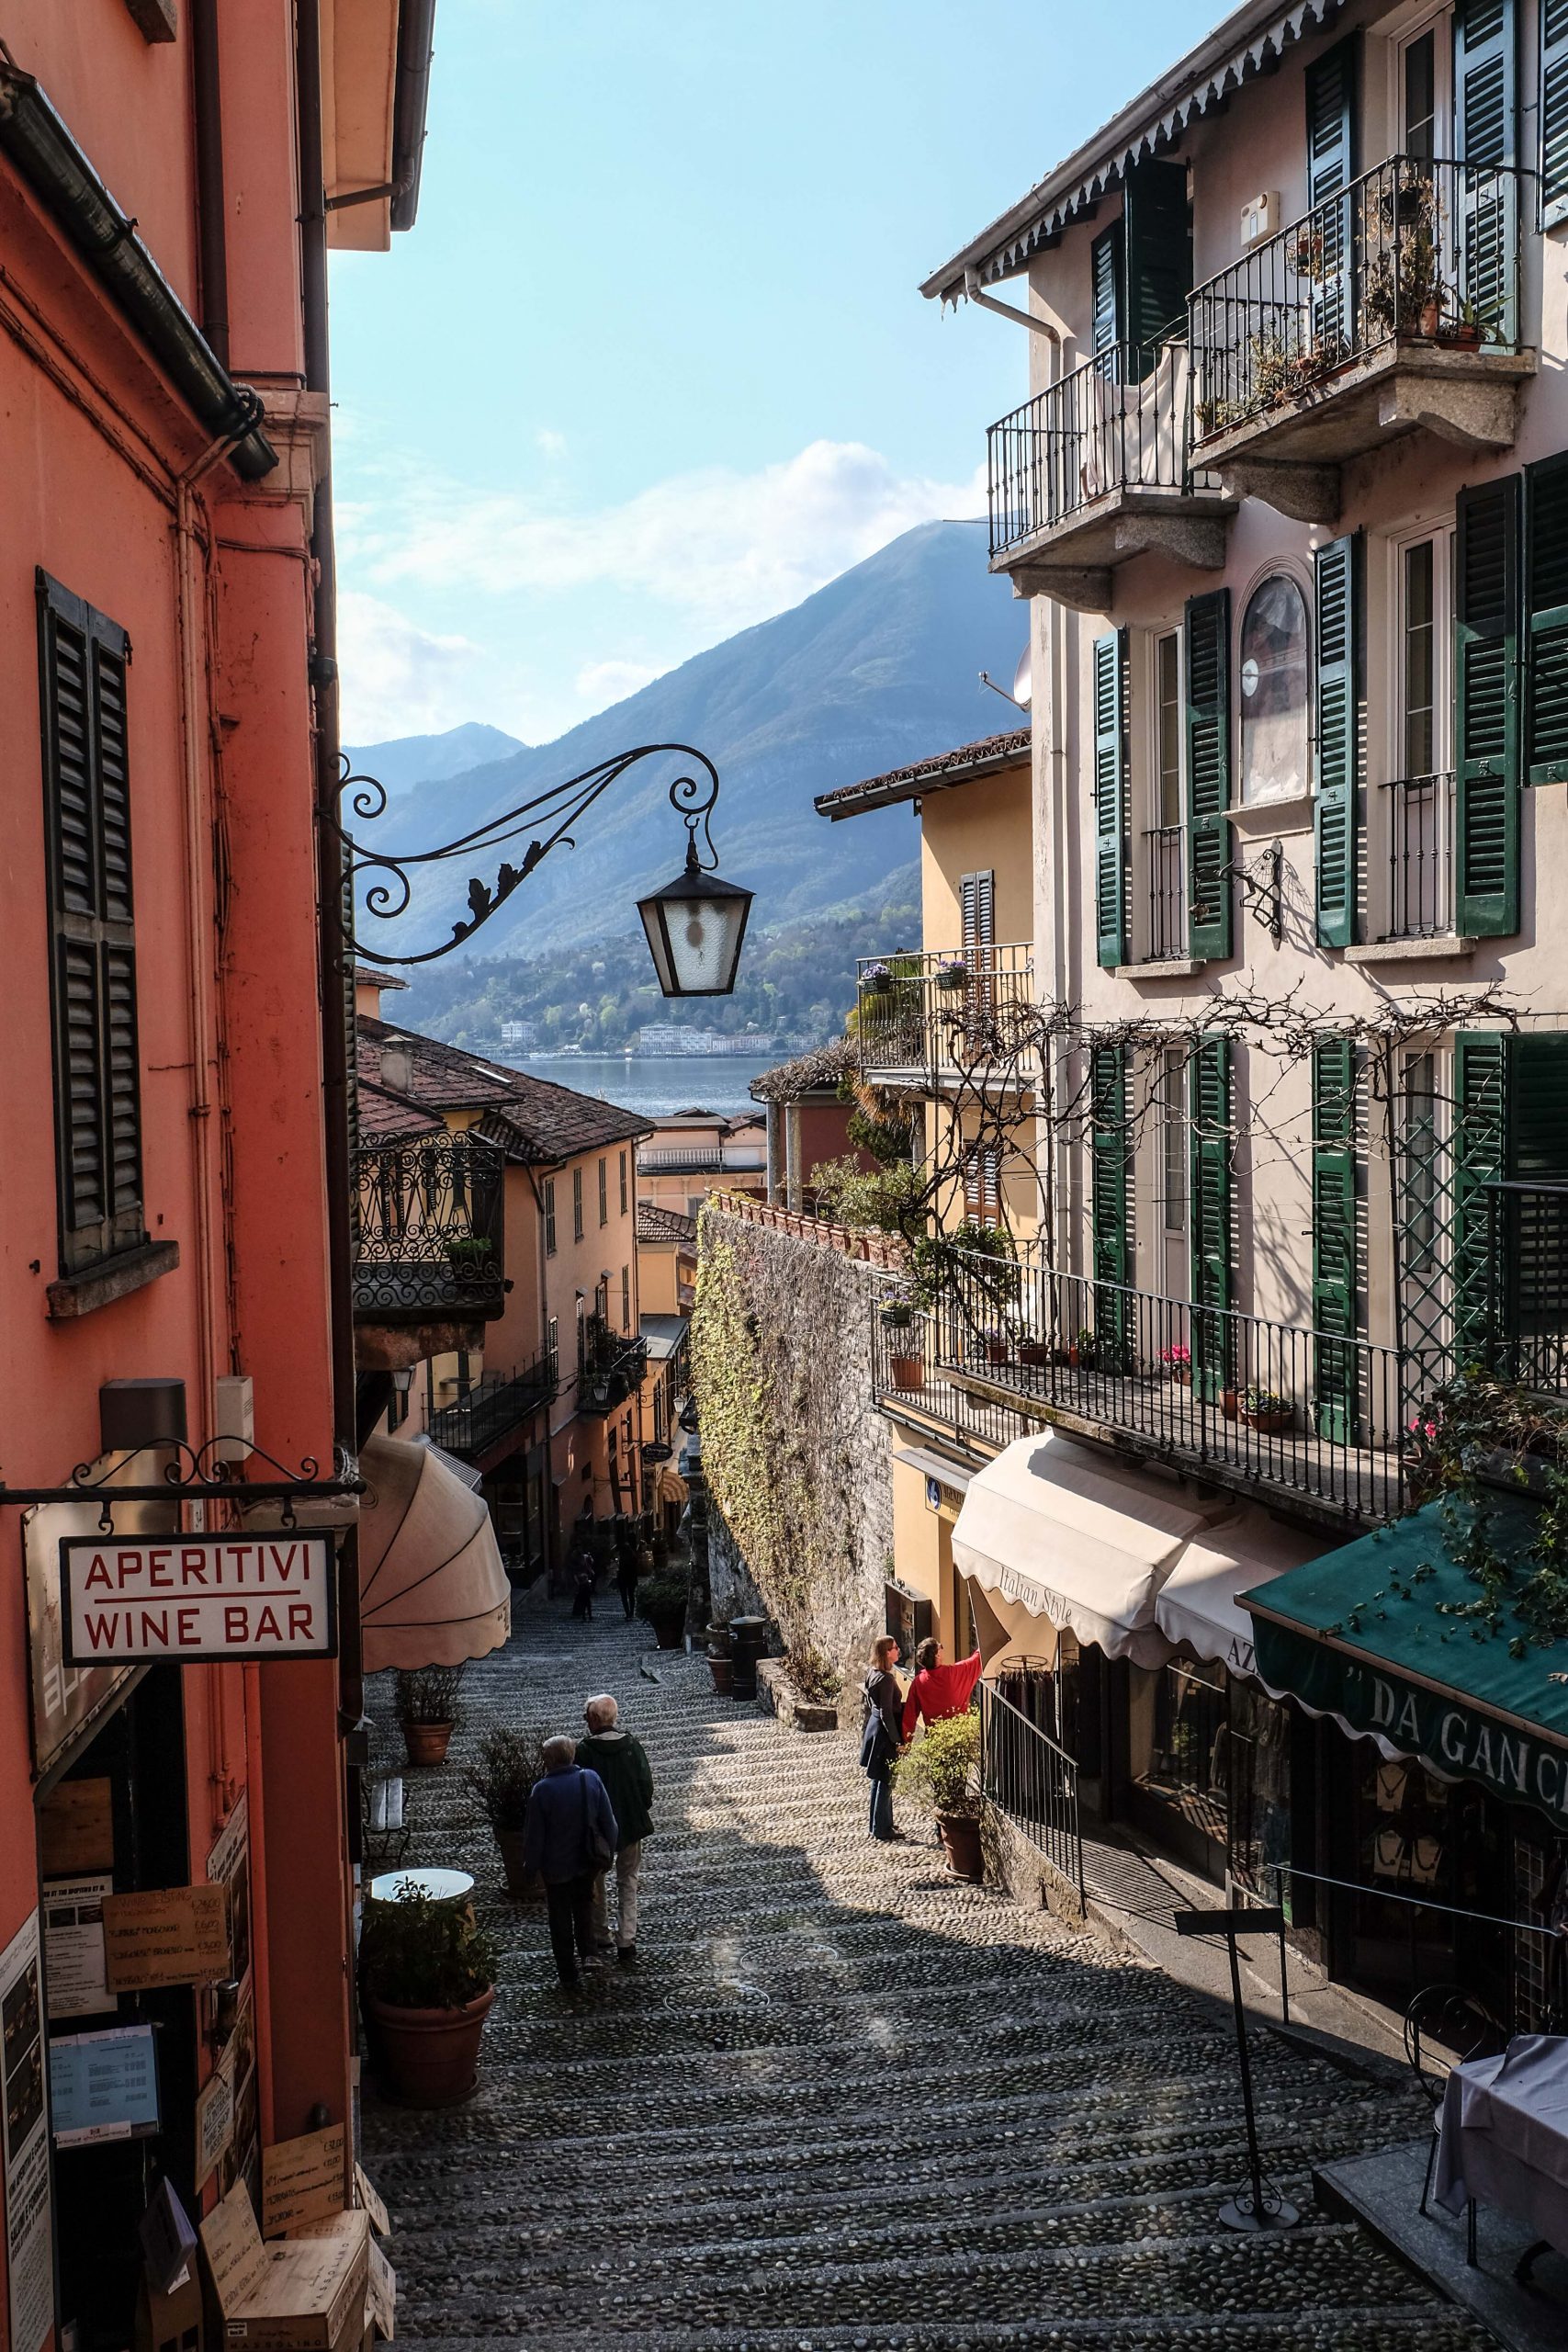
[(432, 1588), (1197, 1604), (470, 1477), (1079, 1538)]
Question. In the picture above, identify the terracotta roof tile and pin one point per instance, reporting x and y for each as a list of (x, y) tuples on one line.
[(982, 758), (656, 1224), (533, 1120)]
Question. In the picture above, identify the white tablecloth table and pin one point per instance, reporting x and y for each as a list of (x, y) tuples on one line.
[(1504, 2136)]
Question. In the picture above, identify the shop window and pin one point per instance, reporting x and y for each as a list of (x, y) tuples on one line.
[(97, 1081), (1186, 1765), (1274, 698)]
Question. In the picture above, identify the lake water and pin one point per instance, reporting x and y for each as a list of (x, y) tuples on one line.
[(655, 1084)]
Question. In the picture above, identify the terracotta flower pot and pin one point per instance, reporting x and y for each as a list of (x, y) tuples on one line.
[(1431, 318), (1230, 1404), (520, 1883), (1269, 1424), (427, 1743), (996, 1351), (961, 1841), (908, 1371), (723, 1672), (1034, 1352), (429, 2057)]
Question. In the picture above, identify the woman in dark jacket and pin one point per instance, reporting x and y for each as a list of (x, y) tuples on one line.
[(880, 1741)]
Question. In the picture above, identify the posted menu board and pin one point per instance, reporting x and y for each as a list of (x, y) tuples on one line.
[(24, 2130), (104, 2086)]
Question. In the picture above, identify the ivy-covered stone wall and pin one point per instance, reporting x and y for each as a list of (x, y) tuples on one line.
[(797, 1456)]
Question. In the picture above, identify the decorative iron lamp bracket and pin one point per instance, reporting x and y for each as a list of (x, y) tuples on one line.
[(196, 1474), (1262, 886), (380, 879)]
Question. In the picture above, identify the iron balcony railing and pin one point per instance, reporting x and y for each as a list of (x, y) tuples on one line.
[(610, 1365), (1414, 252), (1027, 1776), (947, 1011), (1119, 423), (1261, 1405), (1419, 817), (1165, 862), (495, 1407), (429, 1229)]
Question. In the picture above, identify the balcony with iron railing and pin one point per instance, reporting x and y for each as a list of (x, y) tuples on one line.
[(919, 1016), (1095, 469), (1393, 304), (495, 1408), (1418, 820), (428, 1231), (610, 1366)]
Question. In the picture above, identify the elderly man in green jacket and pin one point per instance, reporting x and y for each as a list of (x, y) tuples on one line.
[(622, 1764)]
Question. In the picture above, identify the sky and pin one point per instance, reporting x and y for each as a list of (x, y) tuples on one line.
[(653, 364)]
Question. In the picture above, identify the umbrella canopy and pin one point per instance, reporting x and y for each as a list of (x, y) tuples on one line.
[(432, 1588)]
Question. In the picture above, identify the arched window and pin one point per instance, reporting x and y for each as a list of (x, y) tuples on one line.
[(1274, 692)]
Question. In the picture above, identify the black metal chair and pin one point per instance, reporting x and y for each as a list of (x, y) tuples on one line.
[(1444, 2027)]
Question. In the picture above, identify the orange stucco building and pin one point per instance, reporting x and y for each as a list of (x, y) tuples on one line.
[(171, 175)]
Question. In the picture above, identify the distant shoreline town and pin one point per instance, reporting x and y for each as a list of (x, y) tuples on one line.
[(655, 1041)]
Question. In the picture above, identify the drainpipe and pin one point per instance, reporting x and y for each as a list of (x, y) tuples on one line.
[(416, 25), (212, 217)]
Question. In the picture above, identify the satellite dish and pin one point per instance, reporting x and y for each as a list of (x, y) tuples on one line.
[(1021, 680)]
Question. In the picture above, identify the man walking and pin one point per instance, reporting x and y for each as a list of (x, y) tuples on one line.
[(621, 1763), (568, 1837)]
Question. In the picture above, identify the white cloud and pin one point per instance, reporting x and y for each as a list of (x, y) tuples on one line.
[(724, 547), (552, 443), (602, 682), (399, 679)]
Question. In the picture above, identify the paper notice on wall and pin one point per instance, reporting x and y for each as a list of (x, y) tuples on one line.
[(24, 2135), (214, 2119), (166, 1935), (74, 1944), (228, 1866), (382, 2296), (302, 2180)]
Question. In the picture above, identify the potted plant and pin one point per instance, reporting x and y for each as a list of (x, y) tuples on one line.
[(1266, 1410), (997, 1339), (661, 1604), (937, 1773), (509, 1764), (428, 1977), (1080, 1354), (428, 1711), (1177, 1363), (952, 975), (470, 1257), (1034, 1352), (905, 1361), (876, 979)]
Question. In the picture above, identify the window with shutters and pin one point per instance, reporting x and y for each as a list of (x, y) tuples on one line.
[(623, 1183), (548, 1192), (82, 659), (977, 901), (1164, 846), (603, 1191), (1208, 664), (1554, 112), (1336, 592), (1486, 709), (1422, 89), (1546, 622), (1272, 675), (983, 1185), (1111, 819), (1336, 1288), (576, 1204), (1416, 808), (626, 1298)]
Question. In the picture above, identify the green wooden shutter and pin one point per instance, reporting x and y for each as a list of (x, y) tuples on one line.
[(1207, 774), (1336, 572), (82, 677), (1209, 1085), (1545, 754), (1331, 167), (1486, 710), (1105, 271), (1158, 242), (1110, 1203), (1482, 1072), (1110, 795), (1334, 1237), (1554, 112), (1486, 77), (1536, 1223)]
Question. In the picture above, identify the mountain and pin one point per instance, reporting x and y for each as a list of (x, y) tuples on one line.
[(879, 667), (433, 759)]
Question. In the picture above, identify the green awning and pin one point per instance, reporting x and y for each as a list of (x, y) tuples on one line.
[(1350, 1634)]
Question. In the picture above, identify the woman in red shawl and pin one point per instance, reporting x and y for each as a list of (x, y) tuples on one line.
[(937, 1690)]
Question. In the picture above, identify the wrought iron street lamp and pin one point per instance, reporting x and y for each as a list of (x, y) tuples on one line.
[(695, 925)]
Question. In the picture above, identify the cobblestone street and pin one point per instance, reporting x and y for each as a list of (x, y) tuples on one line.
[(846, 2101)]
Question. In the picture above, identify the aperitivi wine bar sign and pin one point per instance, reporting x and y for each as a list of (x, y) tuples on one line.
[(196, 1598)]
